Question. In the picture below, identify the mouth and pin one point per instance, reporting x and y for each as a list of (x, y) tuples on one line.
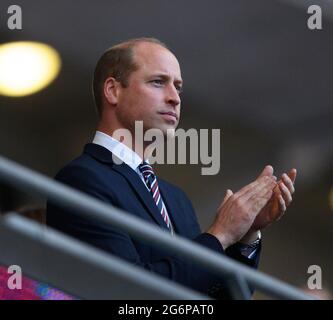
[(169, 115)]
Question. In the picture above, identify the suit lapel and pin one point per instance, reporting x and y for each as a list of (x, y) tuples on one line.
[(102, 154), (141, 191)]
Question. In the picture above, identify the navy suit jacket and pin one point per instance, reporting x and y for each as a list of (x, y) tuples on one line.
[(95, 173)]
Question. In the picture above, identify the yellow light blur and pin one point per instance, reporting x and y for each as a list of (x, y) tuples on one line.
[(331, 198), (27, 67)]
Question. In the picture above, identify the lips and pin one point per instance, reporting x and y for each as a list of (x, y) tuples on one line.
[(170, 113)]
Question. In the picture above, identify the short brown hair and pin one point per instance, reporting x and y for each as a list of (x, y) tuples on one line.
[(116, 62)]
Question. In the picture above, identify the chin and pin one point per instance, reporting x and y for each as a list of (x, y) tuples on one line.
[(168, 127), (163, 127)]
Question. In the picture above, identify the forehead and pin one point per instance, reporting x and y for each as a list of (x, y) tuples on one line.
[(153, 58)]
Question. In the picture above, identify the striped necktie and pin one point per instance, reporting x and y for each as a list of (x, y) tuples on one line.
[(151, 182)]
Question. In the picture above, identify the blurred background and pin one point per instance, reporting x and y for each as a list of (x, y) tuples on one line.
[(251, 68)]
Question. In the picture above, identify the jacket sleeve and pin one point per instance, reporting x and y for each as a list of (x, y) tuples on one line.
[(220, 290), (121, 244)]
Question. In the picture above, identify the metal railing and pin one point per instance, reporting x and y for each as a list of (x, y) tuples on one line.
[(77, 268), (240, 275)]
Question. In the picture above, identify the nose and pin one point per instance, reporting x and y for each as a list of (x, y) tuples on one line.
[(172, 96)]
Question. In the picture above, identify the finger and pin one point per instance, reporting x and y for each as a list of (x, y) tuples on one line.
[(289, 184), (228, 194), (267, 184), (258, 201), (285, 193), (282, 208), (268, 171), (259, 183), (282, 204), (292, 175), (277, 191)]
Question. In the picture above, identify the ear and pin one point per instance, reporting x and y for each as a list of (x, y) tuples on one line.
[(111, 90)]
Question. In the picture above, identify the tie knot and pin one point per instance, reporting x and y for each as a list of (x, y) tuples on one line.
[(146, 169)]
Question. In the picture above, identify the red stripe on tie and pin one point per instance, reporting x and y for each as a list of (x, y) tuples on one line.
[(149, 176)]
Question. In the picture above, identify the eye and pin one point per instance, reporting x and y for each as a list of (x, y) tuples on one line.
[(157, 82), (179, 89)]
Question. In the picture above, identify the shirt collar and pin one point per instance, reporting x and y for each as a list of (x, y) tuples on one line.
[(120, 150)]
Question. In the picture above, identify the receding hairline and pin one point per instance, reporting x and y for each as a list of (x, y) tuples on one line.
[(133, 45), (129, 49), (138, 55), (133, 42)]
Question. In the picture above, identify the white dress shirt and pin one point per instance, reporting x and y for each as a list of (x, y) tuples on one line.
[(121, 151)]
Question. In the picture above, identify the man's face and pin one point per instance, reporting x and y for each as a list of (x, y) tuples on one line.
[(152, 94)]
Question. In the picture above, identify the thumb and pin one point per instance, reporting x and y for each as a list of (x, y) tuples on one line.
[(268, 171), (228, 194)]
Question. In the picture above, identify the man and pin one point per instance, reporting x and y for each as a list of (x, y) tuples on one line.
[(141, 80)]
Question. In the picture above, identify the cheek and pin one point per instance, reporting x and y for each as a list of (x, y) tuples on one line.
[(147, 101), (141, 102)]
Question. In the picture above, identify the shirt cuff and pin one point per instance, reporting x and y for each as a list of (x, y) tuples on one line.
[(249, 250)]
